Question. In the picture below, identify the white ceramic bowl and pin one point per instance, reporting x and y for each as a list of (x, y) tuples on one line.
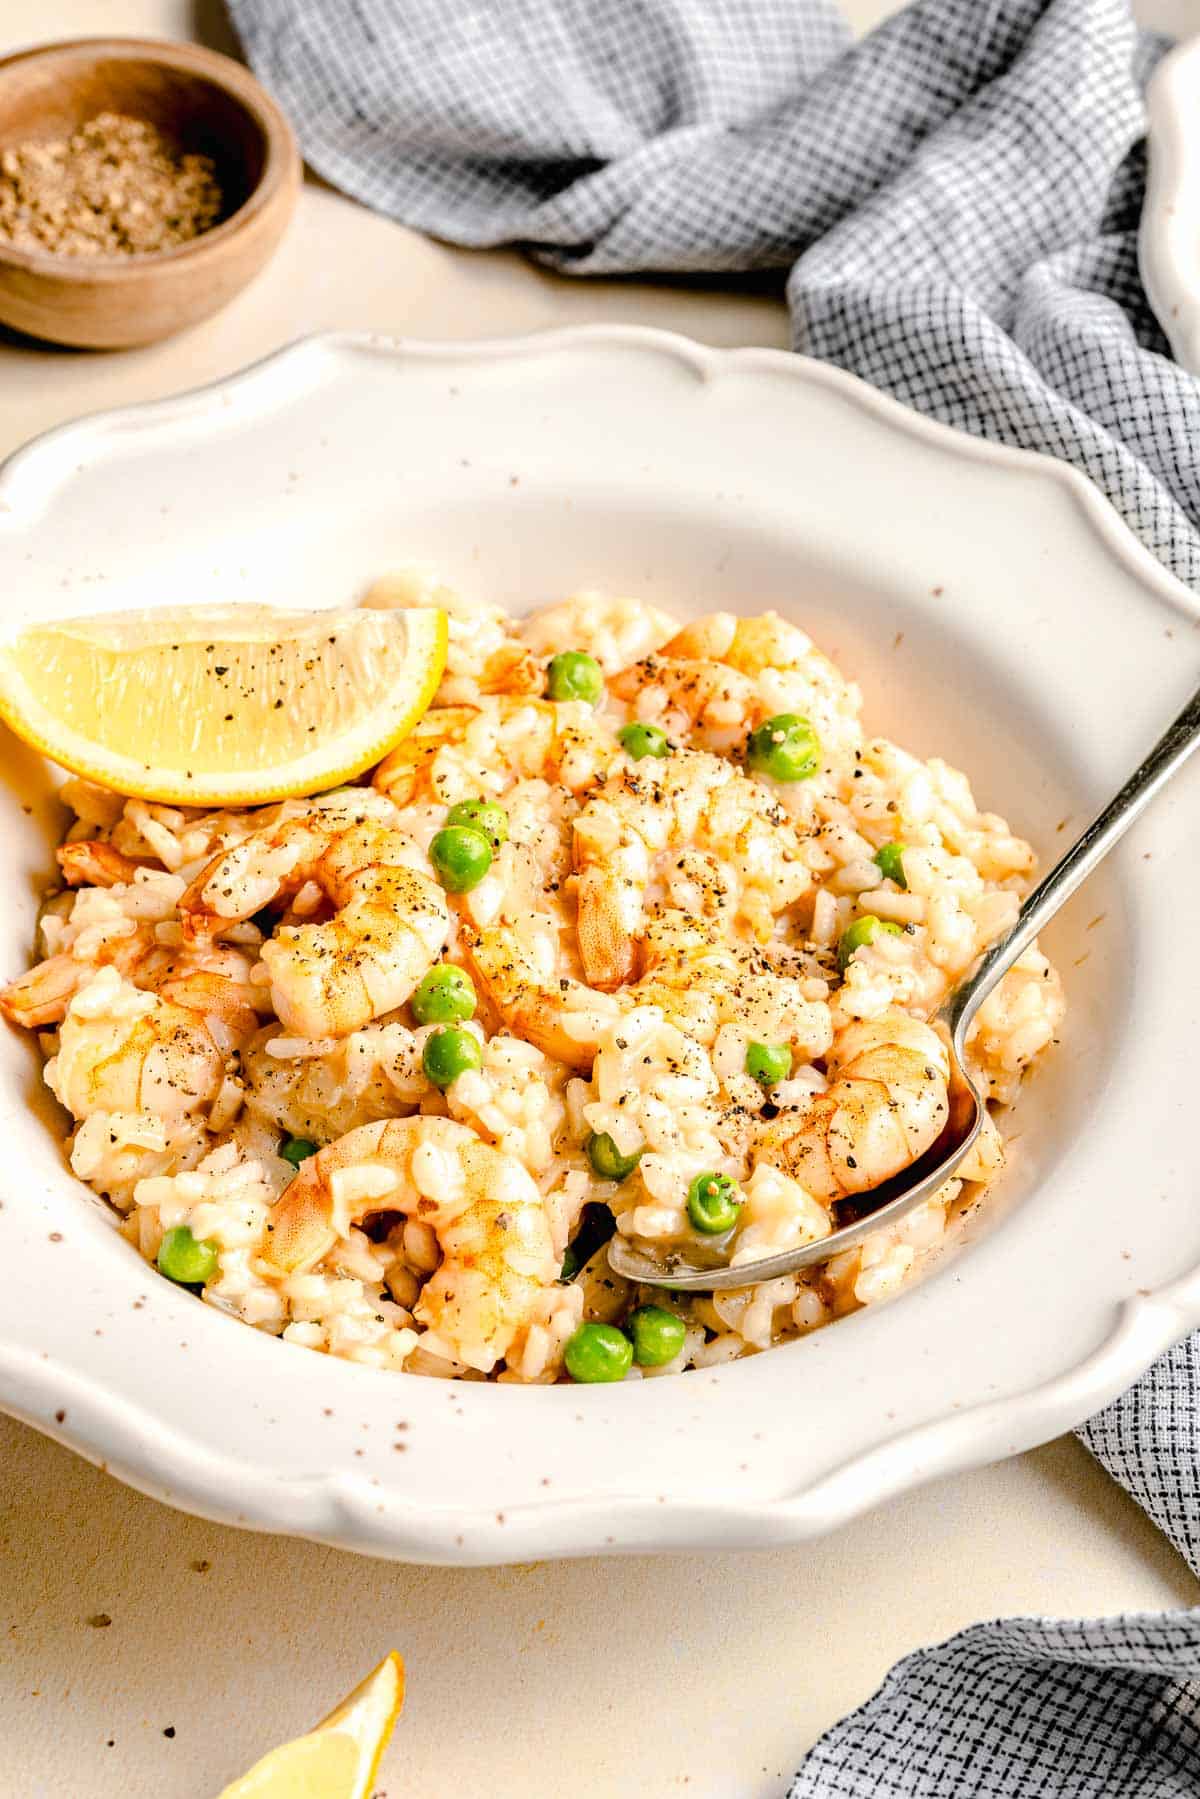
[(1169, 239), (995, 611)]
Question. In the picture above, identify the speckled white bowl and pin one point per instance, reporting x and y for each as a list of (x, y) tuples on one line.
[(1169, 239), (994, 610)]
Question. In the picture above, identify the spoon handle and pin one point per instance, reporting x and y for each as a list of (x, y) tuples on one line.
[(1055, 888)]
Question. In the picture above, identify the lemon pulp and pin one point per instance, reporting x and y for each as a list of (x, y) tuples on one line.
[(222, 704)]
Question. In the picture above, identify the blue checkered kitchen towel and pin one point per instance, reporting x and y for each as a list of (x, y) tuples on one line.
[(956, 199)]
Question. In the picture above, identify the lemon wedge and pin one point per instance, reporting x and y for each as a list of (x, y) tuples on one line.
[(339, 1759), (221, 705)]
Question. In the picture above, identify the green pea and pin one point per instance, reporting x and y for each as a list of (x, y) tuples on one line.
[(768, 1063), (863, 930), (449, 1053), (639, 740), (296, 1150), (481, 815), (607, 1160), (786, 747), (181, 1258), (889, 860), (574, 675), (657, 1336), (443, 996), (713, 1203), (462, 856), (598, 1352)]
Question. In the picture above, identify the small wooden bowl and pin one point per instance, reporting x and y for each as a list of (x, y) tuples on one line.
[(200, 101)]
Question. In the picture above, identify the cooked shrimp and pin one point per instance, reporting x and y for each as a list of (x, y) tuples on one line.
[(687, 969), (690, 800), (180, 838), (371, 1074), (886, 1103), (482, 1205), (123, 1050), (218, 996), (780, 661), (770, 665), (514, 965), (556, 741), (522, 960), (684, 694), (408, 773), (457, 752), (702, 981), (77, 948), (41, 996), (389, 927), (89, 863), (510, 669)]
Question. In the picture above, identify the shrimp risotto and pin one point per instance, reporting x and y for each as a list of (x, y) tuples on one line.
[(636, 931)]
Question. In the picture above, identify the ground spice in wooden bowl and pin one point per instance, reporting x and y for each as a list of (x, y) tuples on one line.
[(116, 187), (142, 185)]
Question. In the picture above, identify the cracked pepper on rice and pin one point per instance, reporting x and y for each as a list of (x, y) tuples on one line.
[(637, 930)]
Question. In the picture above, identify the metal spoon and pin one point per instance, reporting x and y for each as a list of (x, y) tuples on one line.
[(900, 1195)]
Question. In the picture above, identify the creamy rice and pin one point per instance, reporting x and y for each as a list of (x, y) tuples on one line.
[(722, 897)]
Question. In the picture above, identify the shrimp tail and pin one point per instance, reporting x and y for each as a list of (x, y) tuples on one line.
[(607, 946), (95, 864), (42, 996)]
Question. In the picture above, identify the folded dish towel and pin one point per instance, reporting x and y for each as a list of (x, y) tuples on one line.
[(957, 200)]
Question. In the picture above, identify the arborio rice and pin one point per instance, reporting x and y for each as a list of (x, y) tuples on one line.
[(672, 982)]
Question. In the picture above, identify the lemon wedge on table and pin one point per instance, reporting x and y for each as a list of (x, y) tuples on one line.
[(339, 1759), (221, 705)]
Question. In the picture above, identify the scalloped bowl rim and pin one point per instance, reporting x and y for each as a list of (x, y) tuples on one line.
[(159, 1456)]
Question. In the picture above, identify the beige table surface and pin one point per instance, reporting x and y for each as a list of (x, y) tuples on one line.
[(646, 1675)]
